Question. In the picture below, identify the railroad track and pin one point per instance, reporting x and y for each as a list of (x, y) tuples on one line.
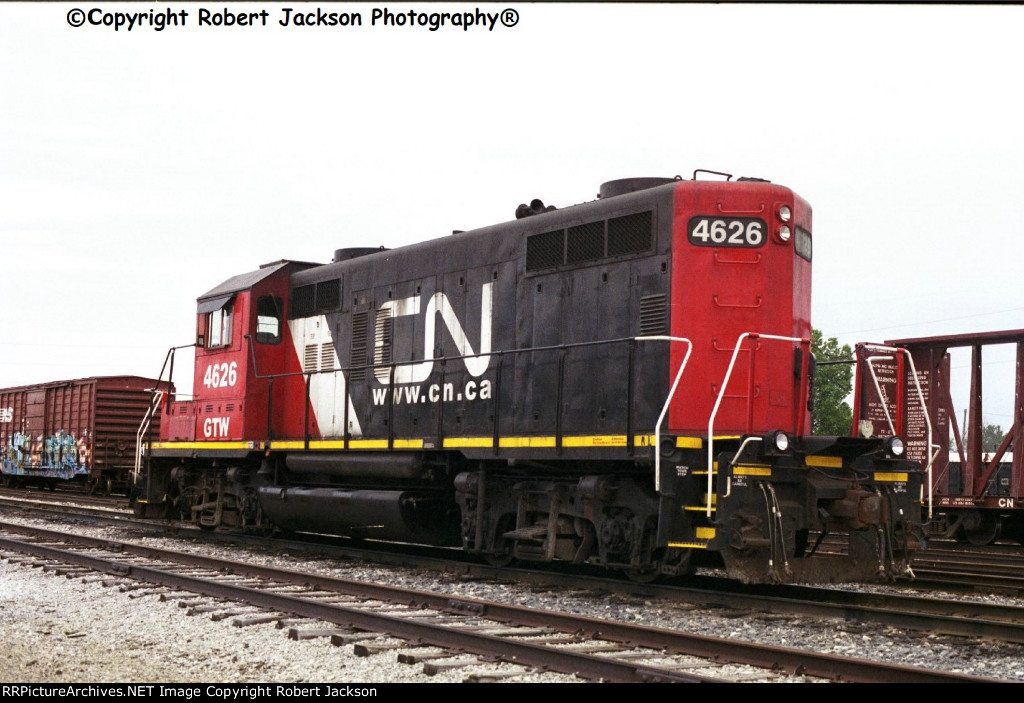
[(64, 498), (960, 618), (360, 614), (997, 568)]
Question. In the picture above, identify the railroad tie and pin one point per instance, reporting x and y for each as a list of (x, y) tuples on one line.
[(314, 633)]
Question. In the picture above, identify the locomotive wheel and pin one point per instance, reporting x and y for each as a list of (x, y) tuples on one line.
[(500, 560), (505, 548), (987, 531), (648, 575), (651, 572)]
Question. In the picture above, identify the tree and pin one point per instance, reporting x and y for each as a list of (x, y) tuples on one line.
[(830, 413), (991, 437)]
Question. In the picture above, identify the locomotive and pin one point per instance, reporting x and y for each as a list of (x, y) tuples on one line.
[(623, 383)]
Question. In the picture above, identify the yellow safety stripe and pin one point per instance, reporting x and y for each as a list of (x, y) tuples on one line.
[(891, 476), (542, 442), (204, 445), (824, 462), (705, 532), (751, 470)]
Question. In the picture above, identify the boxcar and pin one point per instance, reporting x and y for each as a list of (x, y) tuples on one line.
[(81, 431)]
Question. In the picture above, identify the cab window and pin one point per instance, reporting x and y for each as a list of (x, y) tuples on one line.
[(268, 319), (219, 328)]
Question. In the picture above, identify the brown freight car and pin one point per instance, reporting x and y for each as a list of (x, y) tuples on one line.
[(82, 431)]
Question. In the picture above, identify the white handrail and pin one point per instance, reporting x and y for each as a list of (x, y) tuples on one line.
[(143, 429), (721, 394), (924, 409), (668, 400)]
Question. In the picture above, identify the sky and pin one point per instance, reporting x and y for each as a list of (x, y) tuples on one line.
[(140, 168)]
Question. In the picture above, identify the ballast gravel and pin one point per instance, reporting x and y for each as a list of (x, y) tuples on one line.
[(76, 630)]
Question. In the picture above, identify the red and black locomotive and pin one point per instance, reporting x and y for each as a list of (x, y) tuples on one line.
[(623, 382)]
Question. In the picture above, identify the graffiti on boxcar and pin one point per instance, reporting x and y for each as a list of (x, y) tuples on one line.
[(61, 455)]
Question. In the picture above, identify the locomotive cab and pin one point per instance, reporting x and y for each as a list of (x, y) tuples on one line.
[(241, 339)]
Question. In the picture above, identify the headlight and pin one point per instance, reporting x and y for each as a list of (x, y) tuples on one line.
[(785, 213), (784, 233), (895, 446), (777, 441)]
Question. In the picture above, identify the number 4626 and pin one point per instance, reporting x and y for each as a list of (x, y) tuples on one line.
[(730, 232), (221, 375)]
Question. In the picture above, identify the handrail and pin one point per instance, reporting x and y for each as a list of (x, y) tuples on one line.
[(920, 398), (154, 403), (721, 395), (668, 400), (500, 353), (147, 419)]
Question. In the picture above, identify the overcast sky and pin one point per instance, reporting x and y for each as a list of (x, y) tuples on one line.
[(139, 169)]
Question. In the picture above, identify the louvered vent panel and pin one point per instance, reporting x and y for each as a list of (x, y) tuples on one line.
[(629, 234), (586, 243), (382, 337), (358, 356), (309, 358), (653, 315), (327, 356), (545, 250)]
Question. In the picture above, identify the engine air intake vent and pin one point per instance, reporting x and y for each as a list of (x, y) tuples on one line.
[(653, 315), (328, 294), (313, 298), (359, 338), (545, 250), (586, 243), (303, 301), (591, 242), (629, 234), (309, 358)]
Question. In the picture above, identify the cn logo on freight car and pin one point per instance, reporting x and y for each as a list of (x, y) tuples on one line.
[(476, 363), (707, 231)]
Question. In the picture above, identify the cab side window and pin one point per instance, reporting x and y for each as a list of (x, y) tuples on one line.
[(269, 315), (219, 328)]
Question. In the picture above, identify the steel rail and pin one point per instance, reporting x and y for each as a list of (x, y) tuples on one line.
[(719, 650)]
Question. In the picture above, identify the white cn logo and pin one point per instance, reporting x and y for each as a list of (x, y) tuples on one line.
[(476, 361)]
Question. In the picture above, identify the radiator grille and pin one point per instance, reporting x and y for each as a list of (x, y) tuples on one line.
[(303, 299), (586, 243), (545, 250), (629, 234)]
